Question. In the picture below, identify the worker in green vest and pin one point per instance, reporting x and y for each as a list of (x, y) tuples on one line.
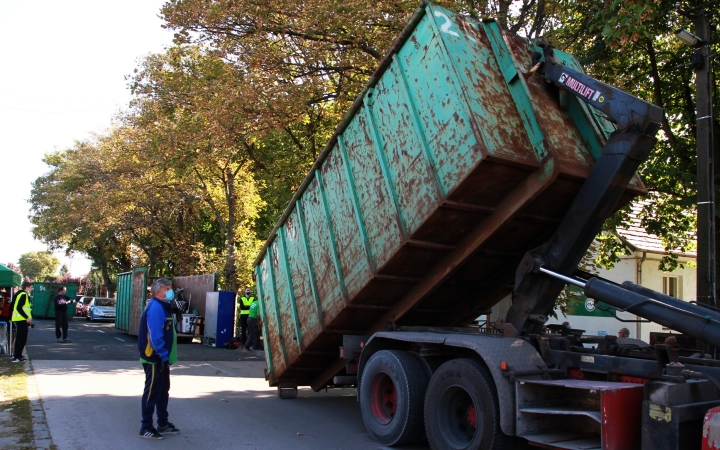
[(22, 319), (254, 321), (245, 302)]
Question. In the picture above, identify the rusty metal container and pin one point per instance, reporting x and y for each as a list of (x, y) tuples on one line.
[(195, 289), (452, 163), (131, 297)]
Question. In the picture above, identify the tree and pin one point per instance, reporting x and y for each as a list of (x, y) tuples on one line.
[(38, 265), (631, 45), (83, 283), (198, 112), (223, 127), (14, 267), (74, 208)]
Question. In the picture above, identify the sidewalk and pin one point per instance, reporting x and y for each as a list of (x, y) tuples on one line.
[(14, 416), (40, 427)]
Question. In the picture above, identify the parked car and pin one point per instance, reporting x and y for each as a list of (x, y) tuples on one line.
[(81, 305), (101, 308)]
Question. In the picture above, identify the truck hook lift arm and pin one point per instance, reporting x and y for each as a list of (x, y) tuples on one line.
[(637, 123), (627, 112)]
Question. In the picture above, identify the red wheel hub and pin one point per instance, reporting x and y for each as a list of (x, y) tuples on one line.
[(383, 400), (472, 416)]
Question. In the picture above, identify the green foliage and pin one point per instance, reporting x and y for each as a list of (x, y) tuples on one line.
[(38, 265), (224, 125), (630, 44)]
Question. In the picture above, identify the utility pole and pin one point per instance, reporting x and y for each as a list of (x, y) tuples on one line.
[(706, 280), (700, 42)]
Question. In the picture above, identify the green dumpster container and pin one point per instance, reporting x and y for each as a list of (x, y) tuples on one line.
[(452, 163), (43, 293), (131, 296)]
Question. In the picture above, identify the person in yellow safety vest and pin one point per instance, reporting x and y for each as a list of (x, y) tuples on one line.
[(245, 303), (22, 319)]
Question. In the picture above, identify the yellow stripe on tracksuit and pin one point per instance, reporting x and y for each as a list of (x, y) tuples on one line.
[(152, 380), (148, 348)]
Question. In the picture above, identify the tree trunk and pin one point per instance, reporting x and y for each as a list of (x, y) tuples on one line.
[(230, 272), (109, 285)]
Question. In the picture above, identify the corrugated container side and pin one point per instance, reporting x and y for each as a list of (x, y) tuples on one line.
[(195, 289), (138, 297), (122, 305)]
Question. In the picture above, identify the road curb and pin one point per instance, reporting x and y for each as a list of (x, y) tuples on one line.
[(41, 432)]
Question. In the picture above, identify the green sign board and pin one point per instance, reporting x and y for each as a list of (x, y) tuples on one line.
[(579, 305)]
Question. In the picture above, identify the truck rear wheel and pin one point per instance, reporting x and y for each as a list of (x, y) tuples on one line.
[(391, 397), (462, 409)]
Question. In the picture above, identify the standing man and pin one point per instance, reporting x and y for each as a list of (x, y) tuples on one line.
[(22, 319), (245, 303), (157, 344), (253, 340), (61, 321)]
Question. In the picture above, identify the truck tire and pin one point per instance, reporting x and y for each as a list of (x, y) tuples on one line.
[(391, 397), (462, 409)]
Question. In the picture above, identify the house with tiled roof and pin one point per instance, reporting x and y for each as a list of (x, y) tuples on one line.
[(640, 267)]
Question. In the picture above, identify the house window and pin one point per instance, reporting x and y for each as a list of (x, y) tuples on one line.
[(671, 286)]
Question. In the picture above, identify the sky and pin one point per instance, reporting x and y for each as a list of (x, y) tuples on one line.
[(63, 78)]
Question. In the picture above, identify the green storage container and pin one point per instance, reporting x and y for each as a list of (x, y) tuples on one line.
[(43, 293), (131, 296), (449, 167)]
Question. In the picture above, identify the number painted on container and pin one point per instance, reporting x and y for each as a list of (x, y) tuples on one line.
[(445, 27)]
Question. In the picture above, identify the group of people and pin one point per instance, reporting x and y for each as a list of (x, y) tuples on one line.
[(249, 321), (16, 312), (157, 342)]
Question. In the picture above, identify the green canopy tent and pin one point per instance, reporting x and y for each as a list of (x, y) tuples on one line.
[(9, 277)]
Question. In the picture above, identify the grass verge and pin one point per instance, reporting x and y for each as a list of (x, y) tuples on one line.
[(16, 429)]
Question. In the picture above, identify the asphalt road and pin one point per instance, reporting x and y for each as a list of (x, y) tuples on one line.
[(101, 341), (90, 391)]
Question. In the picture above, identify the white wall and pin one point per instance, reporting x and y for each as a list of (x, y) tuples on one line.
[(648, 276), (652, 278)]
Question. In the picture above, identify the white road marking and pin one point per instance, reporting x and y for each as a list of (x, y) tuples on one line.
[(121, 340), (101, 331)]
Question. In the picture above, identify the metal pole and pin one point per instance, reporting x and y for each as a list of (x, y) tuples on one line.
[(11, 344), (706, 281), (562, 277)]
